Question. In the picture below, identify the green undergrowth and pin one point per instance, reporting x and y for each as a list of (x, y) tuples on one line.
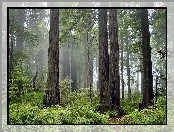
[(151, 115), (129, 105), (76, 112), (31, 110)]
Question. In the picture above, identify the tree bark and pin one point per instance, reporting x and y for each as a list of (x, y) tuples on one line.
[(53, 93), (147, 64), (114, 77), (122, 46), (103, 61)]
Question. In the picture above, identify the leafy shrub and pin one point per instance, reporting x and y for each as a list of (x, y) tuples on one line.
[(27, 114), (65, 89), (53, 115), (156, 115), (86, 113), (136, 97), (41, 80), (68, 96), (161, 103), (129, 106), (35, 98), (78, 111), (111, 113), (23, 114), (86, 91), (19, 82)]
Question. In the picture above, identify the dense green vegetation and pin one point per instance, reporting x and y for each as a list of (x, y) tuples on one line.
[(77, 109)]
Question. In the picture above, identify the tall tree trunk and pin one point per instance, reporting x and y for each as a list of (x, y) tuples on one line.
[(53, 93), (128, 68), (103, 61), (147, 64), (114, 78), (73, 71), (122, 80), (90, 66), (89, 61)]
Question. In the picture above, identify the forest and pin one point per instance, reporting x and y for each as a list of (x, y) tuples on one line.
[(87, 65)]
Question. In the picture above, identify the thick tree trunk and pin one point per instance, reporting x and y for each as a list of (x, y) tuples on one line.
[(122, 78), (103, 61), (147, 64), (114, 78), (53, 93)]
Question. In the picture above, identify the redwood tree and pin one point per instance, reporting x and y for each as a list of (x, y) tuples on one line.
[(103, 61), (147, 64), (114, 78), (53, 93)]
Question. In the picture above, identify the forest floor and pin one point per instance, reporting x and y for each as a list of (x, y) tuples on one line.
[(115, 119)]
